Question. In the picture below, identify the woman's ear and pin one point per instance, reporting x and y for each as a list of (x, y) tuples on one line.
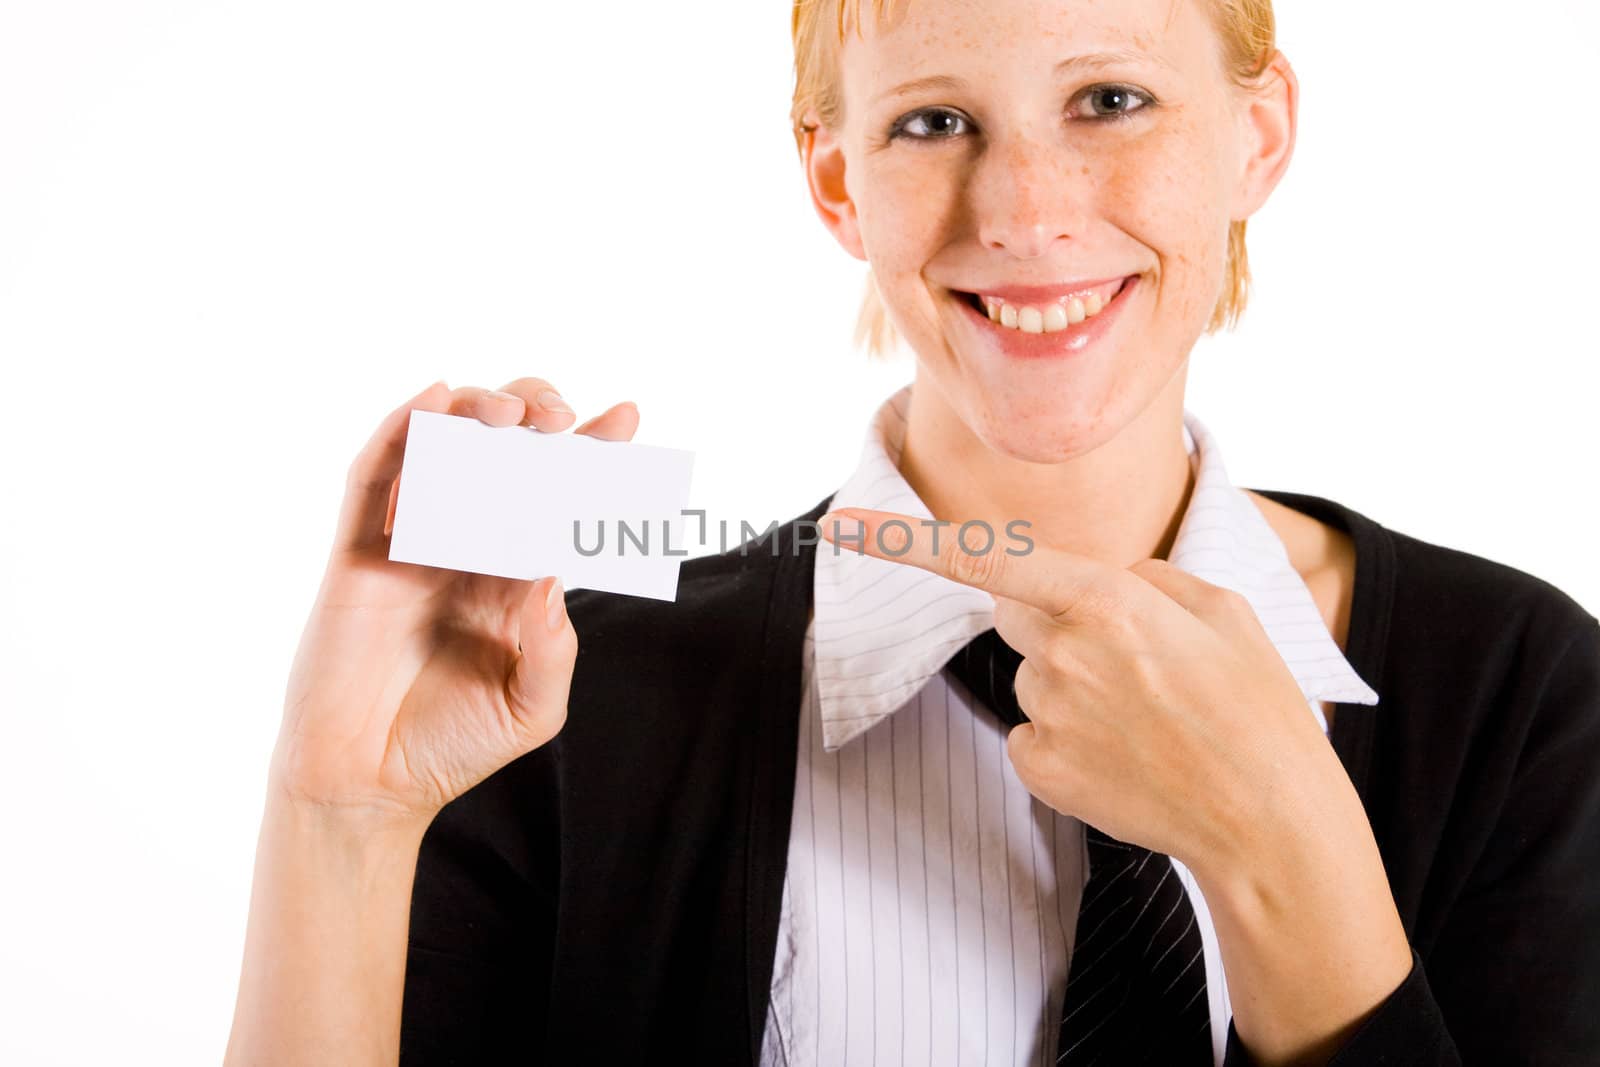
[(823, 154), (1271, 115)]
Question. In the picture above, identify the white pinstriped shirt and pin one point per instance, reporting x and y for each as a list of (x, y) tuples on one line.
[(930, 900)]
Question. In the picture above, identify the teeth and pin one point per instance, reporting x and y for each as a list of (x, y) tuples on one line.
[(1050, 318)]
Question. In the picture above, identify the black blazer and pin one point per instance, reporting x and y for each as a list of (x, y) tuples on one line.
[(612, 897)]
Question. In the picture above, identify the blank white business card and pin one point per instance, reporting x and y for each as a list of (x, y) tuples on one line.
[(519, 503)]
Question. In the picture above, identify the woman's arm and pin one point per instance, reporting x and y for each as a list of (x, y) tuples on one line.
[(1514, 975), (1307, 927), (410, 686), (325, 949)]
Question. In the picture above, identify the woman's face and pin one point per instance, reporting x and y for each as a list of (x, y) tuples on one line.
[(1065, 145)]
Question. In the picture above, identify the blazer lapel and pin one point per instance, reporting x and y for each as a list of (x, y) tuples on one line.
[(772, 763)]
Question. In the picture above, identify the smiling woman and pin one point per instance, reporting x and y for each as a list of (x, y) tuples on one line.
[(1188, 774), (1032, 154), (1245, 32)]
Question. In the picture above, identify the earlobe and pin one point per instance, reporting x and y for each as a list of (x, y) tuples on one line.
[(824, 159), (1270, 121)]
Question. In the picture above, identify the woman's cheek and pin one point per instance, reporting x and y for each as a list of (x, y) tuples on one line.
[(902, 213), (904, 227), (1166, 191)]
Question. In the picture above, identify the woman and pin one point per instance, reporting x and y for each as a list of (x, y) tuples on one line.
[(502, 832)]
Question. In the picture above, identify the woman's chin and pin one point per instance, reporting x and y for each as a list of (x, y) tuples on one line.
[(1037, 429)]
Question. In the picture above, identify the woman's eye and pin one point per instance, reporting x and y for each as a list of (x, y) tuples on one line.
[(1111, 102), (1098, 103), (930, 124)]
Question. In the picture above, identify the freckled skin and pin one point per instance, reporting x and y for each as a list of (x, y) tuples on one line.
[(1036, 197), (1014, 181)]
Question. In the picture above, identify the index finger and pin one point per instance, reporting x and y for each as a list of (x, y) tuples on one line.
[(371, 474), (1065, 585)]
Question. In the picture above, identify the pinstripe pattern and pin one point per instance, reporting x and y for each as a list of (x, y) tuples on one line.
[(930, 902)]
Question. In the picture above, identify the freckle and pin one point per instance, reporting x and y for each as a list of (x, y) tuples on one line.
[(1085, 171)]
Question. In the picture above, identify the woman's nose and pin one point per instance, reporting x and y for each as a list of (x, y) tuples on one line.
[(1028, 194)]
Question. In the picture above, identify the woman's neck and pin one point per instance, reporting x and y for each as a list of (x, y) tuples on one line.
[(1119, 502)]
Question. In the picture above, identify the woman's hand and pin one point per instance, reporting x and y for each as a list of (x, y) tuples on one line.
[(1159, 709), (1161, 713), (413, 683)]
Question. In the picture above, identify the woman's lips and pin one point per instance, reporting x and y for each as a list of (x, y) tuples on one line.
[(1074, 338)]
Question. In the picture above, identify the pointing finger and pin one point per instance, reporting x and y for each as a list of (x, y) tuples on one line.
[(1066, 585)]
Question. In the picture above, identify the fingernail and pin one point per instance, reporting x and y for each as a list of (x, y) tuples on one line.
[(551, 400), (839, 525), (555, 605)]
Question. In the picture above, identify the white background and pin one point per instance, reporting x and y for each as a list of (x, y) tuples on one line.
[(233, 235)]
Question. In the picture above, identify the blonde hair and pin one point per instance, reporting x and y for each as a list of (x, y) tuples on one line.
[(1248, 35)]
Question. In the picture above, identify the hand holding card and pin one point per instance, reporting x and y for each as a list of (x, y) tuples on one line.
[(413, 683)]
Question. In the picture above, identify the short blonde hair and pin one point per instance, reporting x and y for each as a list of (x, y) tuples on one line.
[(1248, 34)]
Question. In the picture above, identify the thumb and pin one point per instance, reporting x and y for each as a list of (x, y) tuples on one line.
[(541, 681)]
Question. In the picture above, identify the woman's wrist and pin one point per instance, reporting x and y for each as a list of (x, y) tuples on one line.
[(350, 836), (314, 803)]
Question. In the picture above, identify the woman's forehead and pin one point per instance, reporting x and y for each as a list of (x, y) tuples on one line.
[(919, 33)]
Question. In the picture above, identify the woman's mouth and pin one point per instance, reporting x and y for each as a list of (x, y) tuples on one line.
[(1038, 322)]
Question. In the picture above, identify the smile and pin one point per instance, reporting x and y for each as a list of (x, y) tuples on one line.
[(1040, 322), (1043, 313)]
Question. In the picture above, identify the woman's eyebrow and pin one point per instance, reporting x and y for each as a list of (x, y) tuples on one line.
[(1089, 60), (1106, 59), (935, 81)]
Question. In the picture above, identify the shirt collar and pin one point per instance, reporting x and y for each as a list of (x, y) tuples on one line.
[(916, 620)]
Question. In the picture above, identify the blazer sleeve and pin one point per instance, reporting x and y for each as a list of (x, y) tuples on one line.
[(1515, 975), (479, 958)]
